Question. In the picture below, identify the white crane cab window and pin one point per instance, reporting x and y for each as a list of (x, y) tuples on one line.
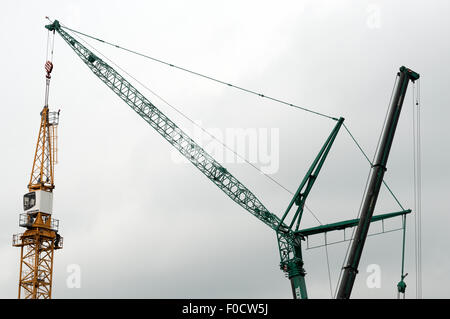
[(38, 201), (29, 200)]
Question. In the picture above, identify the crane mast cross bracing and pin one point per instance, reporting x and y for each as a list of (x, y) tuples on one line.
[(41, 238)]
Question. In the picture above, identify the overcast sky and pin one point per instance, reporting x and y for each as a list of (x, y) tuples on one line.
[(139, 224)]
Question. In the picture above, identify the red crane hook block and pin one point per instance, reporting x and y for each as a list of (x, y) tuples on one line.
[(48, 68)]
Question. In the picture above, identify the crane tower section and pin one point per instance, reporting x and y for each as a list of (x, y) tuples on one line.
[(40, 239)]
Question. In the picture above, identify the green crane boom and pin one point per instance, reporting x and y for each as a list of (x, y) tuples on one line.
[(170, 131), (289, 239), (290, 253)]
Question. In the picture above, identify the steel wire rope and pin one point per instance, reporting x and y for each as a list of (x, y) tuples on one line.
[(197, 125), (248, 91), (417, 191), (227, 84), (202, 75), (328, 265), (245, 90)]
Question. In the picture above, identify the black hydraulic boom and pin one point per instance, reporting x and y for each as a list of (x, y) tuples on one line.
[(376, 179)]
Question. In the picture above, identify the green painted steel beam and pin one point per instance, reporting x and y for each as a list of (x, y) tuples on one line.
[(310, 178), (289, 245), (346, 224)]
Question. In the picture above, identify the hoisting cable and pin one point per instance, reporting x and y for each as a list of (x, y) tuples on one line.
[(401, 286), (328, 265), (48, 68), (417, 199), (417, 190), (367, 180), (202, 75), (49, 64), (197, 125)]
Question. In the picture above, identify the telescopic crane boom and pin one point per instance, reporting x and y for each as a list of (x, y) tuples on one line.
[(376, 179)]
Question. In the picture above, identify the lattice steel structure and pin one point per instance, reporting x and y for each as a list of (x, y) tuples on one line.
[(41, 238), (288, 234), (36, 262)]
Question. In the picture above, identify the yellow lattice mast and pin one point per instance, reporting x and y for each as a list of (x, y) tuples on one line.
[(41, 237)]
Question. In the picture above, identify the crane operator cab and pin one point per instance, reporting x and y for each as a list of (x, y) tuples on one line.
[(35, 202), (38, 201)]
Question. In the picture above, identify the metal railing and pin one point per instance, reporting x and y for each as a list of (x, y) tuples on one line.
[(16, 239), (27, 220), (53, 118)]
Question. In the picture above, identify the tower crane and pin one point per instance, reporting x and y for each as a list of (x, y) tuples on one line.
[(288, 234), (41, 237)]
